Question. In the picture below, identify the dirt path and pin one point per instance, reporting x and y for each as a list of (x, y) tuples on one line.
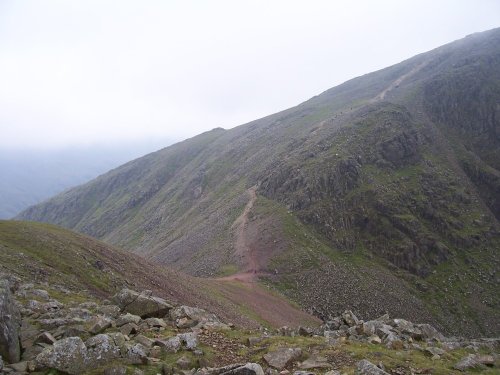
[(269, 307), (242, 249), (397, 82)]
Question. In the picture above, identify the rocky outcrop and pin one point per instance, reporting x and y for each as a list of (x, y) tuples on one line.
[(10, 324), (142, 304)]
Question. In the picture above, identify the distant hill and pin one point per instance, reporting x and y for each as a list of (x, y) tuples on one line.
[(29, 177), (381, 194)]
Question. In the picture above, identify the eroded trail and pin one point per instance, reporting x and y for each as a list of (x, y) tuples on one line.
[(397, 82), (243, 249)]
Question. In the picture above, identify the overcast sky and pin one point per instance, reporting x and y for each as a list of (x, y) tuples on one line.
[(85, 72)]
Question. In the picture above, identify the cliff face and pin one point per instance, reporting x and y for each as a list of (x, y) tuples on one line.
[(387, 185)]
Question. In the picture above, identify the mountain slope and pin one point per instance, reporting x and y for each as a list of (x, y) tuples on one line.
[(385, 189), (61, 259)]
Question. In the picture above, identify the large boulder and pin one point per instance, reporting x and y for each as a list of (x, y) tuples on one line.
[(282, 357), (430, 333), (67, 355), (101, 349), (143, 304), (10, 321), (187, 316)]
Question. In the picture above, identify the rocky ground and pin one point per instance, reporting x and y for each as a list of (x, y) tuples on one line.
[(48, 329)]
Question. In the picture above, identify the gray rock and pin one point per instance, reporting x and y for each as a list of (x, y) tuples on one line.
[(171, 345), (77, 312), (430, 333), (67, 355), (350, 319), (99, 324), (147, 342), (365, 367), (408, 328), (303, 373), (1, 363), (186, 315), (21, 367), (282, 357), (143, 304), (45, 338), (332, 372), (189, 340), (10, 321), (155, 322), (101, 349), (127, 318), (247, 369), (112, 311), (129, 328), (315, 362), (137, 354), (469, 362), (184, 363), (433, 351)]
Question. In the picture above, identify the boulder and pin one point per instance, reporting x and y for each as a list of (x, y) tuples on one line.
[(184, 363), (350, 319), (136, 354), (101, 349), (129, 328), (430, 333), (10, 321), (45, 338), (112, 311), (99, 324), (282, 357), (146, 341), (315, 362), (189, 340), (127, 318), (247, 369), (143, 304), (365, 367), (1, 363), (171, 345), (433, 351), (407, 328), (193, 316), (67, 355), (471, 361), (155, 323)]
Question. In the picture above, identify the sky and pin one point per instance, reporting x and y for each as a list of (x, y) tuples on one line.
[(78, 73)]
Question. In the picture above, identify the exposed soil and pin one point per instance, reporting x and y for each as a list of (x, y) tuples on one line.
[(398, 81), (271, 308)]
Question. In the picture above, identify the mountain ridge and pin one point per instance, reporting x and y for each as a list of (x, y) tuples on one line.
[(390, 180)]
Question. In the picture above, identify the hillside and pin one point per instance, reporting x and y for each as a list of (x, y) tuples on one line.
[(381, 194), (32, 176), (70, 263)]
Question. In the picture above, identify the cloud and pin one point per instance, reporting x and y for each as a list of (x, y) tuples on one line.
[(81, 72)]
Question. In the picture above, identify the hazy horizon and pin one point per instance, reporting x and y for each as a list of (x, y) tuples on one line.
[(81, 73)]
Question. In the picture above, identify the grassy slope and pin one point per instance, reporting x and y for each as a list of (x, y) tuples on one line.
[(43, 253)]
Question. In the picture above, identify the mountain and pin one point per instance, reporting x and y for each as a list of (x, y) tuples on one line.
[(30, 177), (379, 195)]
